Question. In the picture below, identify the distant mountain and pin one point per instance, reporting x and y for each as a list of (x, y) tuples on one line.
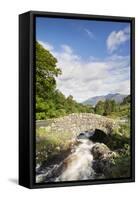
[(94, 100)]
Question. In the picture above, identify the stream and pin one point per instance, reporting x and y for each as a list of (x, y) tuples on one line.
[(78, 165)]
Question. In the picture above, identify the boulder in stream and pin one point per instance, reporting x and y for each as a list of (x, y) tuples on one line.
[(102, 159)]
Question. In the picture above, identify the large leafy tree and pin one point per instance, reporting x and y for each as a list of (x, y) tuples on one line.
[(46, 71)]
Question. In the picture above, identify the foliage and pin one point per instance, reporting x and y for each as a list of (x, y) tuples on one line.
[(119, 137), (105, 108), (109, 107), (112, 109), (99, 108), (121, 164), (126, 100), (50, 144), (120, 143), (46, 71), (50, 102)]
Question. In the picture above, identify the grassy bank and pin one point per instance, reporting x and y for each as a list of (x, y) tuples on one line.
[(50, 145), (120, 143)]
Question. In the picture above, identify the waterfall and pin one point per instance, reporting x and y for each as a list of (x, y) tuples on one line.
[(77, 166)]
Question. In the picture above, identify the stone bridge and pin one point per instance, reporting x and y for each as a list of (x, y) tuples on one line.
[(76, 123)]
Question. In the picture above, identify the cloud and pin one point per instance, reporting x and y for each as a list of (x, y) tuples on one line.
[(116, 38), (46, 45), (89, 33), (87, 78), (67, 48)]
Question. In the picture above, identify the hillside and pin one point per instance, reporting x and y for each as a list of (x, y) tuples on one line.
[(94, 100)]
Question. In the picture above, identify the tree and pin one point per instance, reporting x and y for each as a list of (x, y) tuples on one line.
[(107, 107), (113, 106), (126, 100), (46, 71), (50, 102), (99, 108)]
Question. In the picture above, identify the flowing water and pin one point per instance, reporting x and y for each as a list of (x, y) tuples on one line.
[(77, 166)]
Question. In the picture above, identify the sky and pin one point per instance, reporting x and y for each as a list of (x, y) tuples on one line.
[(94, 56)]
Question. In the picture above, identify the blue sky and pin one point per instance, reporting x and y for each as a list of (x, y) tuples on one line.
[(86, 50)]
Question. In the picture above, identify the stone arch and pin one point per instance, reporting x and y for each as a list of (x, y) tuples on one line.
[(78, 122)]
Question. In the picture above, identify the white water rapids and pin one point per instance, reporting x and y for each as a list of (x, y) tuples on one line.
[(77, 166)]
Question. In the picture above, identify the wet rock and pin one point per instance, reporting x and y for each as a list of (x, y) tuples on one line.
[(100, 151), (100, 136), (102, 156), (102, 166), (85, 135)]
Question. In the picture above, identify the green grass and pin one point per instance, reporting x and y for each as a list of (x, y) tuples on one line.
[(50, 144)]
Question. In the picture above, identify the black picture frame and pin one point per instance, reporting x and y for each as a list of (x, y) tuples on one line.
[(27, 100)]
